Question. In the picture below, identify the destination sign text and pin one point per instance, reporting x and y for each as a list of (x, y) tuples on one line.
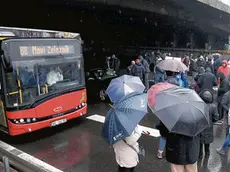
[(45, 50)]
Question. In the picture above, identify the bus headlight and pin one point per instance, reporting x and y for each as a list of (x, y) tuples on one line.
[(21, 120), (28, 120), (34, 119)]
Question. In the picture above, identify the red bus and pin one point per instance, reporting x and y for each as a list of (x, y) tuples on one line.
[(42, 81)]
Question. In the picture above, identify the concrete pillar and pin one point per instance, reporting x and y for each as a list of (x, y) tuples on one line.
[(210, 43), (191, 40), (175, 40)]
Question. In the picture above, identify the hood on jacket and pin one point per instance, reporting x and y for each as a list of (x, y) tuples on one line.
[(138, 63), (140, 57), (201, 70), (221, 76), (208, 70), (207, 96), (225, 62), (209, 59)]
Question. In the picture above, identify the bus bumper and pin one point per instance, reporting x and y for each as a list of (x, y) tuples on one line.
[(18, 129)]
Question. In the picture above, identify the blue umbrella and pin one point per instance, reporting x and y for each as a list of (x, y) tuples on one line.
[(122, 119), (124, 85)]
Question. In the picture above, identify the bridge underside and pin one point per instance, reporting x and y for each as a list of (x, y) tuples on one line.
[(201, 15)]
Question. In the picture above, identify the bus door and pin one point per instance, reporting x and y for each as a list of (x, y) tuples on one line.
[(3, 120)]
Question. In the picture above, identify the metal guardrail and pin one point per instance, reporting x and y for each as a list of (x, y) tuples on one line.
[(17, 162), (23, 161), (6, 165)]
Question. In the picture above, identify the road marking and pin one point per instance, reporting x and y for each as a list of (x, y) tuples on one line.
[(26, 157), (152, 132)]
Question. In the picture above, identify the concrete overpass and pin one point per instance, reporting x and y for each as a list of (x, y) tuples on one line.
[(223, 5), (212, 17), (202, 13)]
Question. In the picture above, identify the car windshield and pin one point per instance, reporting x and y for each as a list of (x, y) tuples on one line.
[(31, 80)]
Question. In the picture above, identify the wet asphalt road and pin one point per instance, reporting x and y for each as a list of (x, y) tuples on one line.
[(77, 146)]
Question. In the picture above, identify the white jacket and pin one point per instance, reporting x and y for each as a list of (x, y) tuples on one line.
[(53, 77), (125, 155)]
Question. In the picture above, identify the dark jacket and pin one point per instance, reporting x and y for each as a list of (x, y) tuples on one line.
[(206, 137), (224, 86), (193, 65), (201, 63), (129, 69), (145, 64), (207, 80), (186, 61), (115, 63), (158, 70), (201, 71), (225, 103), (210, 65), (138, 70), (217, 63), (180, 150)]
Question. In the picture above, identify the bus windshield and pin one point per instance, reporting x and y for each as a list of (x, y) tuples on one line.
[(34, 79)]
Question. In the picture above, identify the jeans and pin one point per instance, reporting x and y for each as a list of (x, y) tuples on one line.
[(123, 169), (226, 142), (162, 144)]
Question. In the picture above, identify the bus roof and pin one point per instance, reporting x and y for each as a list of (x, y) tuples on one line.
[(35, 33)]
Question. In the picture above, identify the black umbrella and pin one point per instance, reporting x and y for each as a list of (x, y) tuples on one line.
[(182, 111)]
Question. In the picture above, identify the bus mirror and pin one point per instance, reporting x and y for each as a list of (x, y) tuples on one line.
[(6, 63)]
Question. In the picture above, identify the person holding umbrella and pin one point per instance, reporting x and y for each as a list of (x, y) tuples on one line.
[(184, 115), (121, 129), (172, 80), (126, 151), (181, 151)]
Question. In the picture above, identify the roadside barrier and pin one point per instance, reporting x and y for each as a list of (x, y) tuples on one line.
[(22, 161)]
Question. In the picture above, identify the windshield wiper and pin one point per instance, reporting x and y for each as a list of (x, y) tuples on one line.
[(56, 93), (39, 99)]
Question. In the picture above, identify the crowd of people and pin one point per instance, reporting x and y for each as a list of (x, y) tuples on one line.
[(210, 78)]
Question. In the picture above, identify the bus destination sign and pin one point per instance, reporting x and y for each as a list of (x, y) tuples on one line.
[(26, 51)]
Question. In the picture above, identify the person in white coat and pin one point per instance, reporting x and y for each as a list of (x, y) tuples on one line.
[(126, 151), (54, 76)]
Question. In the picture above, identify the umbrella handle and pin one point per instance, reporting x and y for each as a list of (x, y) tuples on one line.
[(110, 105)]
